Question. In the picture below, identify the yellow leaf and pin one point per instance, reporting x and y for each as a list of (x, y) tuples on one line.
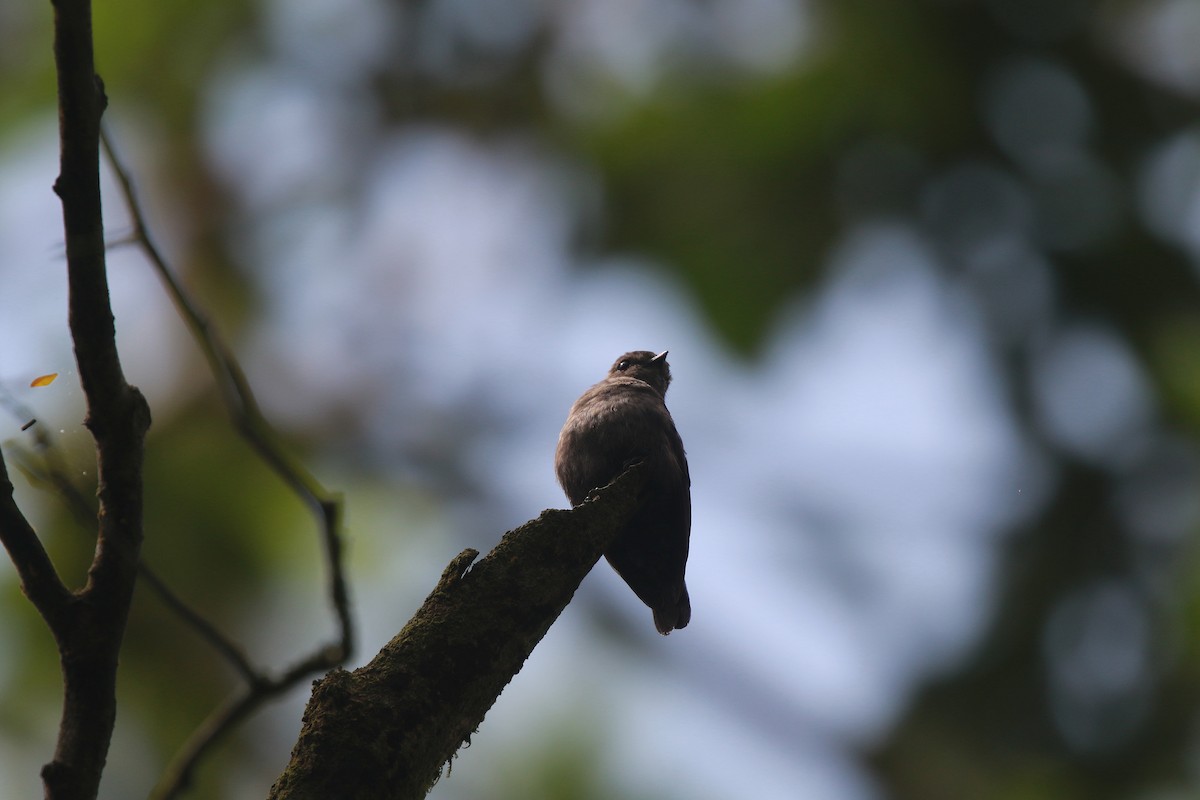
[(44, 380)]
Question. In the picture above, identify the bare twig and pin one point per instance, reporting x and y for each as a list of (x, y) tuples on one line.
[(197, 622), (237, 707), (39, 581), (326, 507)]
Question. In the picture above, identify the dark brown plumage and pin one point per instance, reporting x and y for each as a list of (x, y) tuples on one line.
[(621, 420)]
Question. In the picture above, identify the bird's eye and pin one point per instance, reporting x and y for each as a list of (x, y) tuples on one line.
[(622, 366)]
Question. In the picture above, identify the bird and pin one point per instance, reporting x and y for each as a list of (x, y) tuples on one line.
[(620, 421)]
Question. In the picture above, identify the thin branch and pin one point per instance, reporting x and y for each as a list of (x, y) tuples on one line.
[(39, 580), (326, 506), (242, 405), (197, 622), (178, 775)]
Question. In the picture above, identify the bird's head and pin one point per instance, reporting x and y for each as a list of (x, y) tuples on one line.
[(644, 366)]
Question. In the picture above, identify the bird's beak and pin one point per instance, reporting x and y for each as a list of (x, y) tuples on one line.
[(659, 357)]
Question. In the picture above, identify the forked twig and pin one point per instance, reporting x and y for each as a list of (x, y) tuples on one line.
[(326, 507)]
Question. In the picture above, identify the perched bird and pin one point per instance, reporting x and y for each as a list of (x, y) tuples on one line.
[(621, 420)]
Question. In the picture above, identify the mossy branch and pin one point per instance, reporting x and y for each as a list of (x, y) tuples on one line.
[(386, 730)]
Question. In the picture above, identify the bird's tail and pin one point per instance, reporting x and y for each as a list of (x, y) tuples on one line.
[(673, 616)]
